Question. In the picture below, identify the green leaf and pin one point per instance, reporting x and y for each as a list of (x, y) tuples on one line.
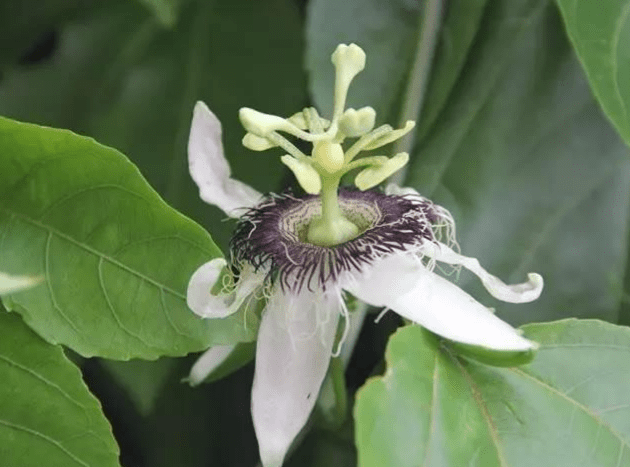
[(381, 28), (600, 34), (142, 380), (568, 407), (209, 425), (48, 416), (533, 174), (166, 11), (116, 259), (323, 449), (460, 25), (387, 32), (24, 23), (120, 77)]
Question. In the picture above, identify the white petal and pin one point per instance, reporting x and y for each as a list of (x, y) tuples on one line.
[(293, 352), (517, 293), (11, 284), (209, 168), (209, 361), (403, 284), (200, 299)]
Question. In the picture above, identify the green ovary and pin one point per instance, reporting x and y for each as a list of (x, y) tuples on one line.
[(332, 227)]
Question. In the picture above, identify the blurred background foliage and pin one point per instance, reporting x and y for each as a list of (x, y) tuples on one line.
[(510, 138)]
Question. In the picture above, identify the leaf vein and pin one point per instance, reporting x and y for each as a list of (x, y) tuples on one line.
[(427, 455), (46, 438), (483, 408), (53, 297), (97, 253), (44, 380), (110, 305), (584, 409)]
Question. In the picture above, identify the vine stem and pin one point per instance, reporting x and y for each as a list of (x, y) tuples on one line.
[(418, 78)]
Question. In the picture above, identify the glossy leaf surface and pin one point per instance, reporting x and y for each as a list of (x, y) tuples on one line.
[(116, 259), (434, 408), (534, 175), (119, 76), (52, 419), (600, 34)]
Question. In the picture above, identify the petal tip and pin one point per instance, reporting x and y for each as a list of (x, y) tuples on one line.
[(198, 293)]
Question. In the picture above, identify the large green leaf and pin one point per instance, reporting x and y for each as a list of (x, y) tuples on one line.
[(120, 77), (142, 380), (24, 23), (568, 407), (534, 175), (116, 259), (389, 32), (166, 11), (47, 415), (600, 33)]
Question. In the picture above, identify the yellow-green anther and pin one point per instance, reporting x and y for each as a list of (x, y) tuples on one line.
[(391, 136), (365, 140), (328, 155), (357, 122), (256, 143), (306, 175), (374, 175), (349, 60)]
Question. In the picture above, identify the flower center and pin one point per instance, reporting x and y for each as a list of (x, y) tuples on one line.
[(320, 172), (273, 236)]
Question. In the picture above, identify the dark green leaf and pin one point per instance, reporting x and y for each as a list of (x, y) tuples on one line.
[(121, 78), (460, 25), (323, 449), (26, 25), (535, 177), (600, 33), (569, 407), (166, 11), (116, 259), (47, 415), (387, 31), (142, 380)]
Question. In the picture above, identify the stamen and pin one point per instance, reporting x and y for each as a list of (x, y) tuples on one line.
[(365, 140)]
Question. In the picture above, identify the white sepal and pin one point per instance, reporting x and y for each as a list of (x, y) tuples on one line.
[(402, 283), (209, 361), (516, 293), (209, 168), (207, 305)]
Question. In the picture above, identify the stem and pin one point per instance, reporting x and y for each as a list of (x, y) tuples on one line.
[(419, 77)]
